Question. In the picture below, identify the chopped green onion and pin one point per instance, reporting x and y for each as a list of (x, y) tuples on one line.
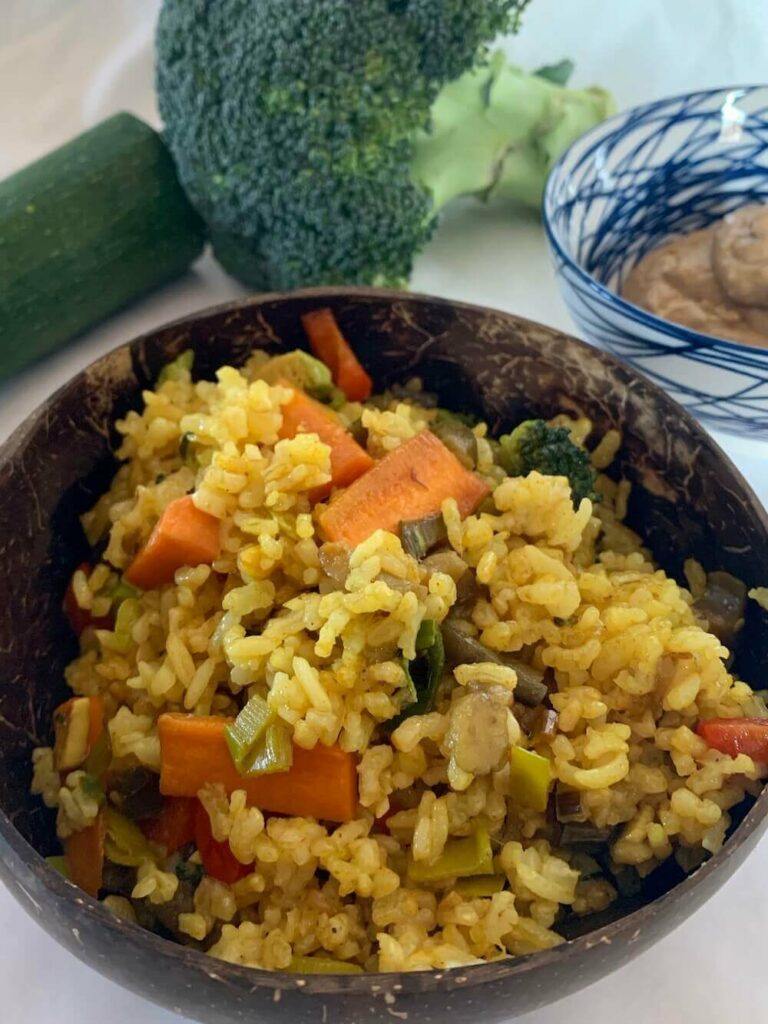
[(247, 729), (530, 778), (428, 634), (336, 398), (124, 842), (59, 863), (128, 614), (121, 591), (480, 886), (424, 673), (418, 536), (186, 452), (321, 965), (461, 858), (273, 753), (177, 368)]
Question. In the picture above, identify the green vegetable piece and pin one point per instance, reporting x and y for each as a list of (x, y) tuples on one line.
[(419, 536), (124, 842), (302, 371), (461, 858), (534, 445), (243, 734), (187, 450), (337, 399), (428, 635), (481, 886), (424, 673), (530, 778), (321, 965), (59, 863), (558, 74), (273, 753), (128, 614), (458, 438), (178, 368), (85, 231), (121, 591)]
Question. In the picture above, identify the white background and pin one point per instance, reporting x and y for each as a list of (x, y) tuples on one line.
[(65, 64)]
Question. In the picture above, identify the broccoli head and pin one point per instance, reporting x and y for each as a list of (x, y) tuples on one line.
[(306, 132), (534, 445)]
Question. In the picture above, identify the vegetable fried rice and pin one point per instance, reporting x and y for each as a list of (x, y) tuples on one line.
[(363, 688)]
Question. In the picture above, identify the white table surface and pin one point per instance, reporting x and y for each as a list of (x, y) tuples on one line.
[(65, 64)]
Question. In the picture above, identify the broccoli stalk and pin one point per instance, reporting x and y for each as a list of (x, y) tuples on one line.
[(496, 131), (534, 445), (320, 138)]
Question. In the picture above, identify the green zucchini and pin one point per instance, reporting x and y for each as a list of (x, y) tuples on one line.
[(84, 231)]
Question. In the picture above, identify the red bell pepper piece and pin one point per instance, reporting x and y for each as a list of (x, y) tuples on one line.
[(218, 860), (737, 736)]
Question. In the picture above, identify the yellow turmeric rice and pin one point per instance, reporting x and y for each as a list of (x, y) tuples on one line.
[(515, 706)]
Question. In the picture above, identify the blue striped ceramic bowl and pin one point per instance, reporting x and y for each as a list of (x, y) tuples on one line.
[(623, 188)]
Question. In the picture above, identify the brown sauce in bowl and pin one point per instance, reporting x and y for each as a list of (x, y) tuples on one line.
[(714, 281)]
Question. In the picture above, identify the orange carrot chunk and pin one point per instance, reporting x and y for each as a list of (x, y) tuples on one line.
[(184, 535), (330, 345), (303, 415), (84, 854), (321, 783), (410, 482)]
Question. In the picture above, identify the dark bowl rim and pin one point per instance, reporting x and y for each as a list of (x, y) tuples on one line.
[(401, 983), (605, 129)]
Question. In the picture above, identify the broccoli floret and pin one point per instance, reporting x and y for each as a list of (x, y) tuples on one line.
[(534, 445), (312, 135)]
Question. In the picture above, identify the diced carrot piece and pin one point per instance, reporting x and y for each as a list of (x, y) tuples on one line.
[(330, 345), (303, 415), (410, 482), (174, 826), (735, 736), (81, 618), (321, 783), (84, 853), (78, 724), (218, 860), (184, 535)]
